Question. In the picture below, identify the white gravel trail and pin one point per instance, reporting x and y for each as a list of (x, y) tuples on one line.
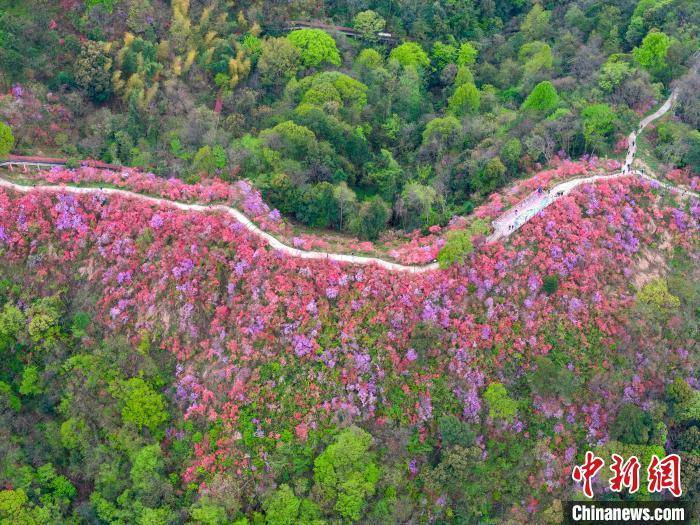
[(504, 226)]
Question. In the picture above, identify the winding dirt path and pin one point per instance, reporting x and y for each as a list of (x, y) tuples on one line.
[(504, 226)]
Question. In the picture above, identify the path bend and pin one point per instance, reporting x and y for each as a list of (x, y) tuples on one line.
[(504, 225)]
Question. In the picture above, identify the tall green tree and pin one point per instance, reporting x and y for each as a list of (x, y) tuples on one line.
[(651, 54), (279, 62), (7, 139), (465, 100), (598, 125), (410, 54), (371, 218), (368, 23), (543, 98), (346, 472), (316, 47)]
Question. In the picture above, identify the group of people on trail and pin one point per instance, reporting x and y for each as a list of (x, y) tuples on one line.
[(540, 191), (628, 166)]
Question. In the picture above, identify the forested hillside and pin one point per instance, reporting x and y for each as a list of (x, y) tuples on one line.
[(347, 132), (167, 361)]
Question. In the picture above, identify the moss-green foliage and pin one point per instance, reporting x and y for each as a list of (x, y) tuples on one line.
[(331, 86), (632, 425), (16, 509), (410, 54), (97, 427), (453, 431), (465, 100), (467, 54), (346, 473), (283, 507), (7, 139), (551, 379), (535, 57), (278, 62), (459, 245), (550, 284), (651, 54), (371, 219), (641, 451), (369, 23), (655, 299), (93, 70), (542, 98), (684, 401), (441, 128), (316, 46), (142, 406), (501, 406), (598, 125)]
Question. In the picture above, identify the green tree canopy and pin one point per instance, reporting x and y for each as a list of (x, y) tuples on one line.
[(368, 23), (7, 140), (291, 139), (279, 61), (542, 98), (141, 405), (333, 87), (489, 176), (501, 406), (416, 205), (632, 425), (410, 54), (510, 153), (282, 507), (656, 301), (684, 401), (442, 128), (346, 472), (651, 55), (16, 509), (536, 22), (443, 54), (598, 125), (465, 100), (369, 59), (316, 46), (467, 55), (93, 70), (535, 56), (613, 73), (371, 218), (459, 244)]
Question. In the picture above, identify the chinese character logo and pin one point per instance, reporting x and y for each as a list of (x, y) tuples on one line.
[(665, 474), (662, 474), (585, 473), (625, 474)]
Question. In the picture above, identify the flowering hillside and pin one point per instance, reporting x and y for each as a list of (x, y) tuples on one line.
[(405, 247), (272, 355)]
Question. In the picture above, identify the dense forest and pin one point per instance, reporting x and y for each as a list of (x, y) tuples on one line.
[(355, 131), (164, 367)]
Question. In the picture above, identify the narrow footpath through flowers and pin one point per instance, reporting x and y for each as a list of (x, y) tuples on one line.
[(503, 226)]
